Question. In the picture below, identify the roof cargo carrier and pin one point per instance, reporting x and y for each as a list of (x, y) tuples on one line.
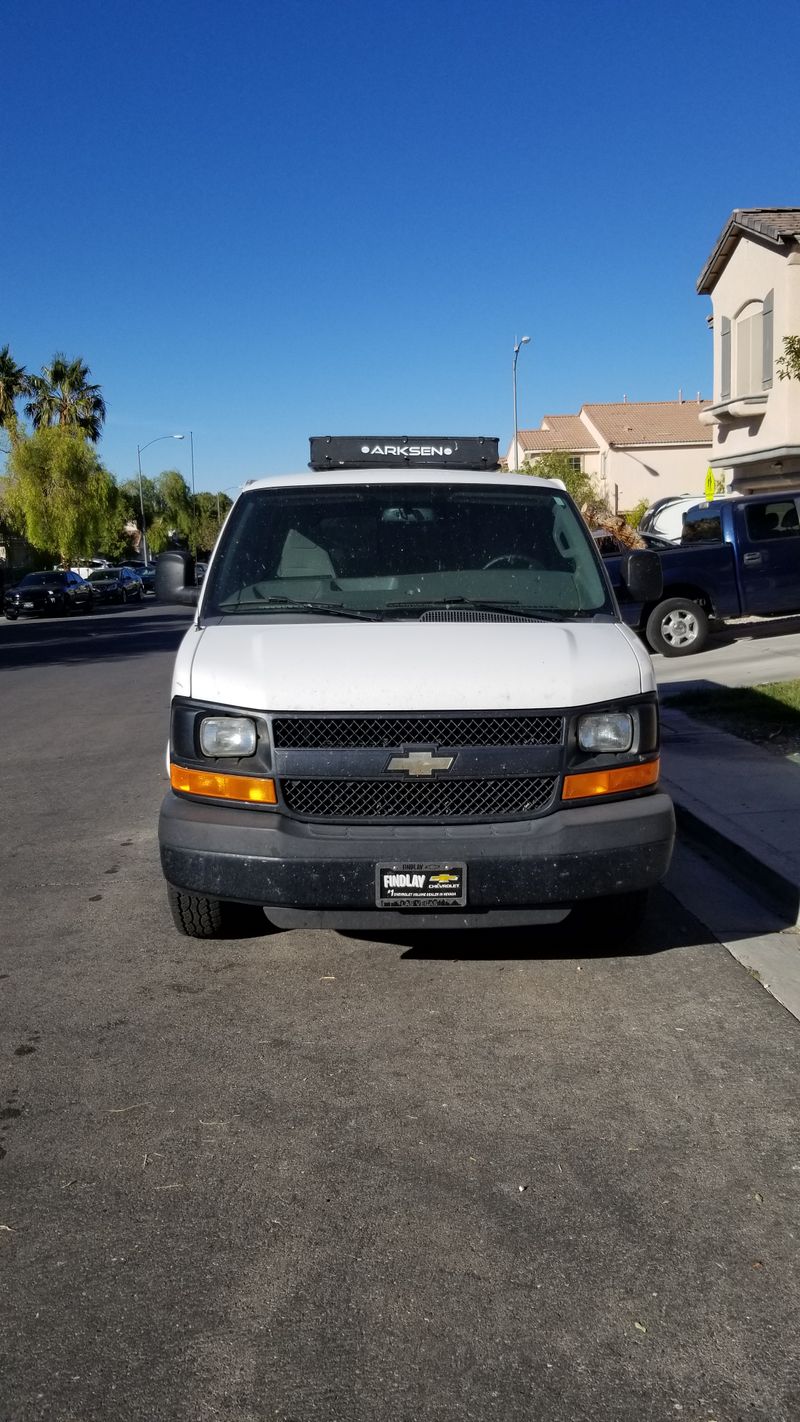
[(403, 452)]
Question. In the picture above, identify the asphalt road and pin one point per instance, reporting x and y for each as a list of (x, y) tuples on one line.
[(309, 1177)]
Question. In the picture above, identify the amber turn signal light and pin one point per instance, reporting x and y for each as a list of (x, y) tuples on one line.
[(610, 782), (249, 789)]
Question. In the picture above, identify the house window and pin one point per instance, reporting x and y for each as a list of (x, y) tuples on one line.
[(745, 352), (748, 349), (575, 462)]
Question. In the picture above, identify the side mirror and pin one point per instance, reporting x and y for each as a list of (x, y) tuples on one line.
[(642, 574), (175, 578)]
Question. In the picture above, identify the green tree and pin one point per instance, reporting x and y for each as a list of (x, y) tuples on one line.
[(62, 395), (788, 365), (14, 385), (210, 512), (558, 465), (131, 504), (112, 538), (59, 493), (172, 510), (635, 515)]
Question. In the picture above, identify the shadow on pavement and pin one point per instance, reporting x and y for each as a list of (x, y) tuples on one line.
[(667, 926), (109, 633), (728, 632)]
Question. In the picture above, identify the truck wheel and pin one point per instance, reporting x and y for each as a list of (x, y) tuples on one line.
[(610, 920), (200, 917), (11, 615), (677, 627)]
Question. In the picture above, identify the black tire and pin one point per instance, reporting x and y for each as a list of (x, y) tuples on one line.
[(139, 595), (196, 916), (677, 627), (12, 616), (609, 921), (123, 597)]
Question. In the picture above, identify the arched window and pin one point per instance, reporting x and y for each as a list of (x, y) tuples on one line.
[(747, 349), (752, 347)]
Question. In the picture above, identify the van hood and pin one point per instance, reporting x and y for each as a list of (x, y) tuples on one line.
[(411, 666)]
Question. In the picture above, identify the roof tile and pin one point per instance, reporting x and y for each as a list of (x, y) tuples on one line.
[(627, 423), (656, 422)]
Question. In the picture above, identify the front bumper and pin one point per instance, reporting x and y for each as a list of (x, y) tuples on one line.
[(38, 608), (318, 875)]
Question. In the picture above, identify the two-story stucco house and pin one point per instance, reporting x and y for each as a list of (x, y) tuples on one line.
[(637, 450), (753, 279)]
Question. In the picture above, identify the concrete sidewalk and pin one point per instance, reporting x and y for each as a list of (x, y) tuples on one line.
[(738, 802)]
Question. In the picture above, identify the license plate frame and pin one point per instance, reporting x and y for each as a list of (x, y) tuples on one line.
[(432, 894)]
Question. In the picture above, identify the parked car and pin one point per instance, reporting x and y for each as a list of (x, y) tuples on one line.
[(738, 557), (147, 573), (116, 585), (51, 592), (84, 569)]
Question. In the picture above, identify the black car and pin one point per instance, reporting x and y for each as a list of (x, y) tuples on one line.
[(147, 573), (40, 593), (116, 585)]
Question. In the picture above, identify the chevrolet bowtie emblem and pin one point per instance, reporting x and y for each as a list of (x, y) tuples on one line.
[(420, 762)]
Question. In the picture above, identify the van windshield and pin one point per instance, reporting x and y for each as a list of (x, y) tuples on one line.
[(395, 550)]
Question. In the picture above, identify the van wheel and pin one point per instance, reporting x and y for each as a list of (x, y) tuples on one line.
[(196, 916), (677, 627)]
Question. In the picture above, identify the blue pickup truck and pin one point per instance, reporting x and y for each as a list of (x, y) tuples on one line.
[(738, 557)]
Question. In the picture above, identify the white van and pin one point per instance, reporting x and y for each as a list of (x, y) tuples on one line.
[(407, 698)]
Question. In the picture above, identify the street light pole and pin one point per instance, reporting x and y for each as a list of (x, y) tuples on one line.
[(139, 449), (194, 505), (517, 347)]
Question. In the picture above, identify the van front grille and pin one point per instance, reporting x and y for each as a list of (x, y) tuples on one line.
[(399, 732), (419, 799)]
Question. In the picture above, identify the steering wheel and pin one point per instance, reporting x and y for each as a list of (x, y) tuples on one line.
[(512, 560)]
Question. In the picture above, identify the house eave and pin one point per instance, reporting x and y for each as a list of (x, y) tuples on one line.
[(757, 456), (563, 449), (666, 444), (735, 229)]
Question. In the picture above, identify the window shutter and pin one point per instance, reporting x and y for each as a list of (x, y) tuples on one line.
[(725, 359), (766, 346)]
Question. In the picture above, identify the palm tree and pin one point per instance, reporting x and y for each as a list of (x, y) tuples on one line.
[(63, 396), (14, 383)]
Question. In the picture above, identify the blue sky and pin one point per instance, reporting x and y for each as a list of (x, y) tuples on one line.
[(263, 221)]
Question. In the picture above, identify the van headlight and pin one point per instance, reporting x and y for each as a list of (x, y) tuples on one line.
[(227, 735), (606, 731)]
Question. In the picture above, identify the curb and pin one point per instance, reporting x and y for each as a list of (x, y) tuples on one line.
[(773, 888)]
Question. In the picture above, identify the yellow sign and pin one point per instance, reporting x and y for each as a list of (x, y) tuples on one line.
[(711, 484)]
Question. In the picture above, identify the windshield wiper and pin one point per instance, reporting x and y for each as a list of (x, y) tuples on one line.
[(475, 604), (290, 604)]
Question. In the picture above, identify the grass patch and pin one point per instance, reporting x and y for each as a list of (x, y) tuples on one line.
[(768, 715)]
